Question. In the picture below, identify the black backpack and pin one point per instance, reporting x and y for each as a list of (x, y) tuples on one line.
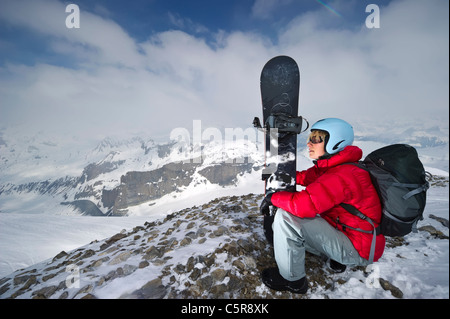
[(400, 180)]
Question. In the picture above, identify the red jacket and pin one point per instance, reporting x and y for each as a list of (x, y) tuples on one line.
[(327, 185)]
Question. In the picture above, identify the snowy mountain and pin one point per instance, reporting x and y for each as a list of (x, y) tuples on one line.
[(50, 186), (136, 175), (116, 175)]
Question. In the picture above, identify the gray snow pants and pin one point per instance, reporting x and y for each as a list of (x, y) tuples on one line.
[(293, 236)]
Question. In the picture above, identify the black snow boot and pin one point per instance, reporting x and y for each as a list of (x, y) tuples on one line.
[(337, 267), (271, 278)]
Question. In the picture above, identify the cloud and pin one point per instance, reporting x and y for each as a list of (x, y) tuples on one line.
[(99, 40), (262, 9), (116, 84), (399, 70), (186, 23)]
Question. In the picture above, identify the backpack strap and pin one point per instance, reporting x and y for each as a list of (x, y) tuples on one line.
[(376, 230), (418, 188)]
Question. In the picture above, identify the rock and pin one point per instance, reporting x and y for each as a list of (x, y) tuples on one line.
[(219, 290), (195, 274), (99, 262), (190, 264), (4, 288), (120, 258), (249, 262), (44, 293), (395, 291), (60, 255), (179, 269), (186, 241), (190, 225), (205, 283), (152, 253), (442, 220), (153, 289), (201, 232), (115, 238), (219, 274), (47, 277), (128, 269), (31, 280), (245, 244), (192, 235), (220, 231), (392, 242), (433, 232), (207, 261), (85, 290), (64, 295), (88, 253), (234, 283), (239, 265), (18, 280)]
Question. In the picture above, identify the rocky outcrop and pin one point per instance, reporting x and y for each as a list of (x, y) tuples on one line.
[(85, 207), (225, 174), (139, 187), (95, 169)]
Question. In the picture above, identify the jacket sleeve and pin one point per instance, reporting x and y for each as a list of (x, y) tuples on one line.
[(306, 177), (318, 197)]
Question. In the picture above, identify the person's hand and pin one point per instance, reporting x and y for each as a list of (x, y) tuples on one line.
[(264, 208)]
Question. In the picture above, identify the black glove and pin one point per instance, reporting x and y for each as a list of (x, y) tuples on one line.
[(264, 208)]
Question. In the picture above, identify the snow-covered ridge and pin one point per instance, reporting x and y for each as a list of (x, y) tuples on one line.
[(218, 250)]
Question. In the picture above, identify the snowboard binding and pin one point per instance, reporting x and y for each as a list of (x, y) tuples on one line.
[(284, 123)]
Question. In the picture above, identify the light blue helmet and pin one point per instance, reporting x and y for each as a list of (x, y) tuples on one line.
[(340, 134)]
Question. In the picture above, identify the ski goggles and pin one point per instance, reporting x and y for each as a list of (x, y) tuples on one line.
[(315, 139)]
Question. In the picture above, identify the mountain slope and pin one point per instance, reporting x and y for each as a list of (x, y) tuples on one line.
[(218, 250)]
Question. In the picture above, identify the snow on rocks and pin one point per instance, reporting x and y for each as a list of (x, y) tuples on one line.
[(216, 250), (196, 252)]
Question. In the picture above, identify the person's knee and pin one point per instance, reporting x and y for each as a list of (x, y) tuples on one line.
[(279, 216)]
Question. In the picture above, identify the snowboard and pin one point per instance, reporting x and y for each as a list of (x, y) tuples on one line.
[(280, 84)]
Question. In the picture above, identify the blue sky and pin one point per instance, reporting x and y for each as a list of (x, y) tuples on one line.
[(171, 62), (204, 18)]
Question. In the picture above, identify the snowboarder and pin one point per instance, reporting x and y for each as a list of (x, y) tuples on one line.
[(313, 220)]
